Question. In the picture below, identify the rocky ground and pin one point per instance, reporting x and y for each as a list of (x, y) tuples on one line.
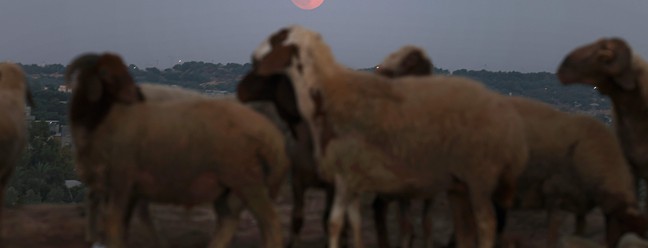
[(63, 226)]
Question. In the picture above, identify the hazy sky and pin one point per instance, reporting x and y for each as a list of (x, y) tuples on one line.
[(518, 35)]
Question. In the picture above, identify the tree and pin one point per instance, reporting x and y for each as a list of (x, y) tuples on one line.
[(42, 171)]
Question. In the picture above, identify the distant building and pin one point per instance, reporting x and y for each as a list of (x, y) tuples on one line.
[(66, 136), (28, 116), (60, 132), (64, 88)]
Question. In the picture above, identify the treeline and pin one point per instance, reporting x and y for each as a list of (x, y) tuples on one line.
[(52, 104), (195, 75)]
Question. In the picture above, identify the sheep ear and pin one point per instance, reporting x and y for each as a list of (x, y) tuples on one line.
[(616, 58), (277, 60)]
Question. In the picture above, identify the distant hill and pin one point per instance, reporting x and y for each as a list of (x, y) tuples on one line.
[(205, 77)]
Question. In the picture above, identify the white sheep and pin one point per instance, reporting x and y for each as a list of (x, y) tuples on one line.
[(181, 152), (575, 161), (417, 136), (14, 94)]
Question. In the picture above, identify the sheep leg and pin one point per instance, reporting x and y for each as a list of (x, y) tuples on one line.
[(643, 195), (228, 210), (341, 204), (640, 187), (554, 217), (330, 194), (117, 209), (3, 183), (355, 218), (380, 205), (261, 206), (581, 221), (297, 217), (92, 204), (428, 236), (406, 227), (462, 218), (145, 217), (485, 221)]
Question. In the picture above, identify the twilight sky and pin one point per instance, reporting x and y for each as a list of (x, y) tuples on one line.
[(493, 35)]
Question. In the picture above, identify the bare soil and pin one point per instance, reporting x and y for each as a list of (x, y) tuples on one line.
[(62, 225)]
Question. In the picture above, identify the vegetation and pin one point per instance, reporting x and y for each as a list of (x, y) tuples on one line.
[(40, 175)]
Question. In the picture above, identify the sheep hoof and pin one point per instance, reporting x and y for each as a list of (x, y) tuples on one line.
[(98, 245)]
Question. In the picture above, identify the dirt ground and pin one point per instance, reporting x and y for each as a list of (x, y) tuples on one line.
[(59, 226)]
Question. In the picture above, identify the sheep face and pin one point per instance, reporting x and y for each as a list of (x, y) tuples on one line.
[(606, 60), (101, 81), (409, 60)]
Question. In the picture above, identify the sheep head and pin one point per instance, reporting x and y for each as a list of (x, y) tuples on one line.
[(287, 68), (407, 61), (606, 63), (101, 81), (12, 78)]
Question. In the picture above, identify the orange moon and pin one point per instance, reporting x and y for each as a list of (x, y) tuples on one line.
[(307, 4)]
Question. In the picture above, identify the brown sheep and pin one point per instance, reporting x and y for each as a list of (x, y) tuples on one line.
[(151, 93), (406, 61), (230, 155), (575, 162), (416, 136), (303, 170), (14, 95), (611, 67)]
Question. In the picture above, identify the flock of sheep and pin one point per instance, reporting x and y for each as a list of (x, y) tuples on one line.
[(400, 134)]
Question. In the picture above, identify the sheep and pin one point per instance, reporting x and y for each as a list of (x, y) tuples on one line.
[(416, 136), (611, 67), (151, 93), (575, 164), (14, 95), (304, 174), (303, 170), (567, 168), (407, 61), (231, 156)]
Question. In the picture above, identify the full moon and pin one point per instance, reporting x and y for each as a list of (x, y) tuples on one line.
[(307, 4)]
